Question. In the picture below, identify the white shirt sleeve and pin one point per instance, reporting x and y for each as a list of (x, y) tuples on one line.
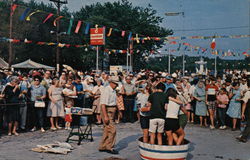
[(246, 97)]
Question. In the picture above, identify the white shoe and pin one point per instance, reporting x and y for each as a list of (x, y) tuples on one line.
[(33, 129), (224, 127), (42, 130), (212, 127)]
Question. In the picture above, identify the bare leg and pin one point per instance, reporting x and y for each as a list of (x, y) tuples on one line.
[(201, 120), (188, 116), (152, 138), (15, 127), (170, 137), (234, 123), (145, 135), (159, 138), (9, 127), (56, 120), (138, 116), (175, 137), (181, 135), (99, 119), (192, 117), (52, 122), (211, 115), (205, 121)]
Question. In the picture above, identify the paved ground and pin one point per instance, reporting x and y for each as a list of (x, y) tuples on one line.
[(206, 145)]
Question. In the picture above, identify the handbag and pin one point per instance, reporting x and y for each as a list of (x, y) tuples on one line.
[(39, 104)]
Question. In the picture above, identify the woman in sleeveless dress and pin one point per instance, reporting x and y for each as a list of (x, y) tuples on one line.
[(56, 105)]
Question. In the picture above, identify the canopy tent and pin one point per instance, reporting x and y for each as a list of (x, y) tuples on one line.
[(29, 64), (3, 64)]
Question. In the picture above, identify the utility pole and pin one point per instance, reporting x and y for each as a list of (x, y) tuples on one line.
[(58, 5), (10, 36)]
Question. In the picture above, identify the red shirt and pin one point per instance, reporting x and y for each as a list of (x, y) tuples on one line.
[(211, 92)]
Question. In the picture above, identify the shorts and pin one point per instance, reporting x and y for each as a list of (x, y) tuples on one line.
[(144, 121), (67, 118), (211, 105), (156, 124), (182, 120), (172, 124)]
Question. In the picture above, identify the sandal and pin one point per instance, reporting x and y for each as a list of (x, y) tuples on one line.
[(16, 134)]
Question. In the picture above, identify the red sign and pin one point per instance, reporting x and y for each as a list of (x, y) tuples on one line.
[(97, 36)]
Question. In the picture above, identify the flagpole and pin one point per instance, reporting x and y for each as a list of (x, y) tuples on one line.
[(169, 60), (183, 64), (215, 65), (97, 56), (127, 55), (10, 36)]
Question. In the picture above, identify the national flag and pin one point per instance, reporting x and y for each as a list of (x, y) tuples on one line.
[(213, 44)]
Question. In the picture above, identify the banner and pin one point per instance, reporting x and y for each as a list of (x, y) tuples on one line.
[(97, 36)]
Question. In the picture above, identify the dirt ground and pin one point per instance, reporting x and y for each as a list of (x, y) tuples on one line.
[(205, 144)]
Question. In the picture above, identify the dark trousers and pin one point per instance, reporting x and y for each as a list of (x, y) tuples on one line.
[(246, 132), (79, 102), (222, 115), (129, 113), (38, 116), (1, 119)]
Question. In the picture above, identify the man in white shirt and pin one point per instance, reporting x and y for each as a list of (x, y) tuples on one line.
[(108, 109), (246, 109)]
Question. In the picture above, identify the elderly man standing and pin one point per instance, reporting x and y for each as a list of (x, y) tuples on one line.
[(108, 109), (246, 115), (129, 93)]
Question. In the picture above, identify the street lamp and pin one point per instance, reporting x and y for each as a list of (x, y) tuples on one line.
[(169, 58), (58, 5)]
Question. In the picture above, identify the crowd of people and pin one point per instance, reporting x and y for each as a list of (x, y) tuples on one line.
[(163, 103)]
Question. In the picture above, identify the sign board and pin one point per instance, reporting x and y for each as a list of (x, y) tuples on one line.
[(115, 69), (97, 36)]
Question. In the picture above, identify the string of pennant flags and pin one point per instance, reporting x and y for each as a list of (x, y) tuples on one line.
[(187, 47), (61, 45), (28, 13)]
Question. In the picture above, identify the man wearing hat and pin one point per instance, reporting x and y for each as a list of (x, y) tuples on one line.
[(108, 109), (169, 83), (246, 115)]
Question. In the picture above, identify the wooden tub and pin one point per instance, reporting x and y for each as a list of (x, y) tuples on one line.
[(163, 152)]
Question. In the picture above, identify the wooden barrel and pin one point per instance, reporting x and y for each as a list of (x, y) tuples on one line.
[(163, 152)]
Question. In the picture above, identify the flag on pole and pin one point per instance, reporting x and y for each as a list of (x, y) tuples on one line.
[(123, 33), (57, 19), (213, 44), (110, 32), (48, 17), (13, 8), (87, 28), (70, 25), (78, 26), (130, 36), (24, 14), (28, 17)]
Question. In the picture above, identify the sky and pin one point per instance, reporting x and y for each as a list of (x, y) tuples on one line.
[(201, 18)]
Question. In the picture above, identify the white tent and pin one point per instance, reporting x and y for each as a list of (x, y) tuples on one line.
[(29, 64), (3, 64)]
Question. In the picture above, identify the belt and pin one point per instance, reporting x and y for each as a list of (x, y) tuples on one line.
[(110, 106)]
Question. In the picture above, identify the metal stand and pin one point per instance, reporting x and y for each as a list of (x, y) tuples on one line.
[(82, 135)]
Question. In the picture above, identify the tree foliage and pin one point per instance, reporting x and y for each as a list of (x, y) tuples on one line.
[(120, 15)]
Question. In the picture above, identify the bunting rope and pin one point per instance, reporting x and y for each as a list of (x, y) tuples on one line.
[(138, 38), (109, 51)]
